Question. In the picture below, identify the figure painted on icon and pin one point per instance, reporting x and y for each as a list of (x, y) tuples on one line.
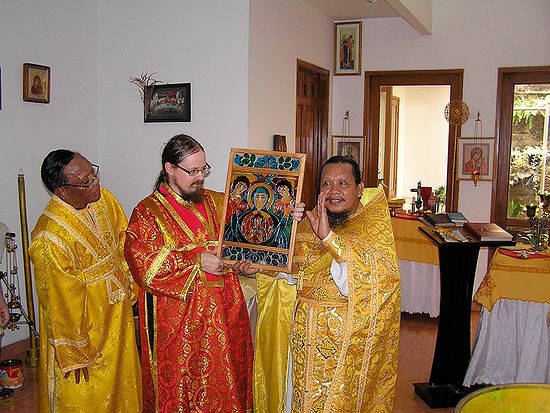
[(36, 88), (476, 164), (283, 209), (236, 207), (258, 224), (285, 199), (346, 48)]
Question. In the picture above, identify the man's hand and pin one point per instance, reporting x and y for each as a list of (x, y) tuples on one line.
[(211, 263), (298, 211), (244, 268), (319, 223), (77, 374)]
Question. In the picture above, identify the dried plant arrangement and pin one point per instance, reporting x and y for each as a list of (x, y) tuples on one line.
[(142, 82)]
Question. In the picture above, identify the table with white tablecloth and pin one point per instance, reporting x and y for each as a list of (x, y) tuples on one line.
[(419, 267), (512, 343)]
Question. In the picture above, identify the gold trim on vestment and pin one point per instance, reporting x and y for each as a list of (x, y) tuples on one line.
[(69, 228), (335, 247), (155, 266), (54, 239)]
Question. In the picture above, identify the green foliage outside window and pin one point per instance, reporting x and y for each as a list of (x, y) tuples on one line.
[(529, 160)]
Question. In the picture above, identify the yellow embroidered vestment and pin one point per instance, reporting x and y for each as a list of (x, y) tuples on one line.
[(85, 293), (344, 349)]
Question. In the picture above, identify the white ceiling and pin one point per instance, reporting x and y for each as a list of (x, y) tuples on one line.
[(418, 13), (353, 9)]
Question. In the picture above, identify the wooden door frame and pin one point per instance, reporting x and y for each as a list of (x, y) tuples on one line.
[(391, 125), (371, 118), (507, 78)]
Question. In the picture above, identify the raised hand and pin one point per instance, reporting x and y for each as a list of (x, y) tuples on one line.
[(319, 223)]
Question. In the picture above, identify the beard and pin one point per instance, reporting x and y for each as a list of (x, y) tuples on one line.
[(336, 219), (195, 195)]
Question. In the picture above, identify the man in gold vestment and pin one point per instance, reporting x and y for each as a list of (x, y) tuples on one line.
[(194, 327), (345, 319), (89, 360)]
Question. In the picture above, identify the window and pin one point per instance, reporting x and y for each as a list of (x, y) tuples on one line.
[(523, 118)]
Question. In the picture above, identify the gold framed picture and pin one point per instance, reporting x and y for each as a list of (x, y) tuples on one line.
[(36, 83), (347, 48), (261, 190), (476, 156)]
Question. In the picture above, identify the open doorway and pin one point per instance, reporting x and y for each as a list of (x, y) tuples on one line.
[(400, 139), (420, 132)]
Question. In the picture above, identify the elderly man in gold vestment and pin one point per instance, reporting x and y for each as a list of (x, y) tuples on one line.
[(88, 354), (344, 306)]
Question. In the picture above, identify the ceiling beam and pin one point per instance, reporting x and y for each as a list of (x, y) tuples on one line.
[(418, 13)]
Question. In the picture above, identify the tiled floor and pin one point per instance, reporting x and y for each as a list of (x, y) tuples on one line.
[(417, 342), (416, 349)]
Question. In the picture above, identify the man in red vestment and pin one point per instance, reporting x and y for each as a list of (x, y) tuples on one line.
[(195, 335)]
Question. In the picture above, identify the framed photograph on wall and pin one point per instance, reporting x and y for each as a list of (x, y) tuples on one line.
[(167, 103), (353, 146), (36, 83), (476, 156), (261, 189), (347, 48)]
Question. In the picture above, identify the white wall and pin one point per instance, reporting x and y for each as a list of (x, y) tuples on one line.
[(423, 135), (94, 47), (62, 35), (202, 42), (281, 32), (478, 36)]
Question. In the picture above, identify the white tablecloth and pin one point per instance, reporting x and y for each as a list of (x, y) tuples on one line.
[(512, 344), (420, 287)]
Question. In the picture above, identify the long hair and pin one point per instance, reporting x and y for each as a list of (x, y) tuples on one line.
[(177, 148), (53, 164)]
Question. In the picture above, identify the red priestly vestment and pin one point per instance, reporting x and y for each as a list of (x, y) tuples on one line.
[(194, 328)]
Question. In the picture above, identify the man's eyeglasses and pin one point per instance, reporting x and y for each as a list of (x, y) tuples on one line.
[(90, 181), (194, 172)]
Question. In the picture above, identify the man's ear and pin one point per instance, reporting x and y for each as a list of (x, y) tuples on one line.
[(361, 186), (61, 192), (169, 168)]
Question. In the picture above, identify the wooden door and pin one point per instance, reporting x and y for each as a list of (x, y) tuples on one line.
[(312, 89)]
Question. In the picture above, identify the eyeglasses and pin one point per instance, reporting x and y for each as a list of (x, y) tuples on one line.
[(90, 181), (194, 172)]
